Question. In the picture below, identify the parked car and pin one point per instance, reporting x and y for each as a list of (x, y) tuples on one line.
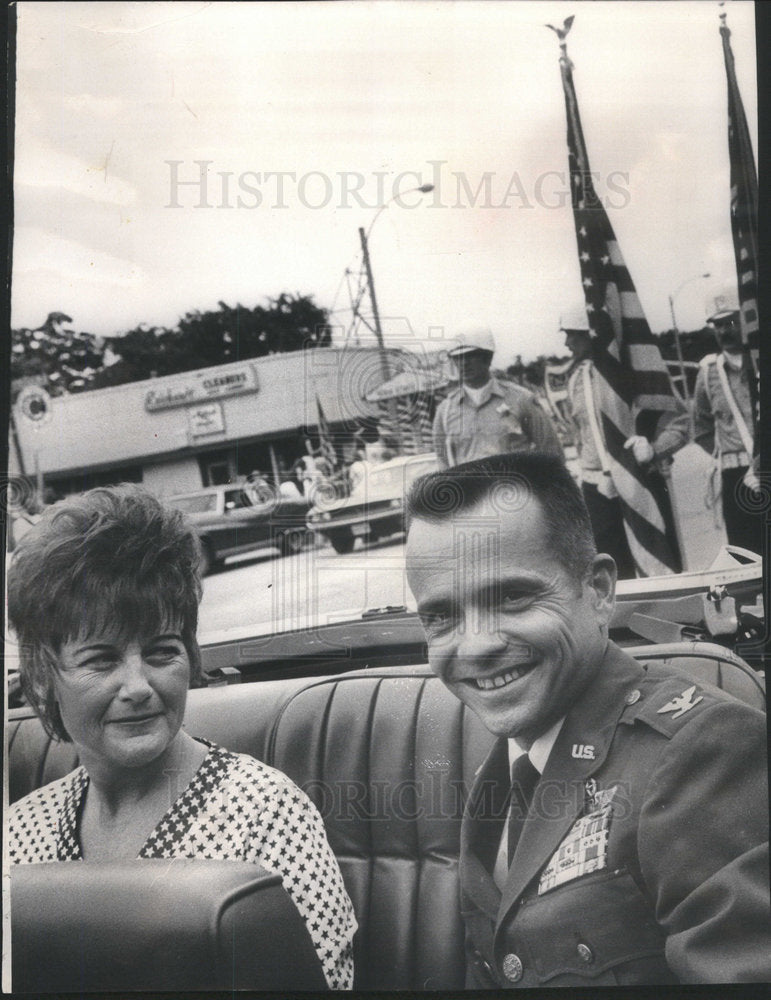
[(375, 507), (237, 518)]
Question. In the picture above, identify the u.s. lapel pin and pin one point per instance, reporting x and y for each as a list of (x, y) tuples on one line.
[(583, 751)]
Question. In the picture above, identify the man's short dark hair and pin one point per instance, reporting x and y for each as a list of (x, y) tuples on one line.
[(508, 481)]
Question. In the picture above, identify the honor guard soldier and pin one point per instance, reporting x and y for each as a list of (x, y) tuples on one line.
[(484, 416), (723, 425), (629, 842), (653, 456)]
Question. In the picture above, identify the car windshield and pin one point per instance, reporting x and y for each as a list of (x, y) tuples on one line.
[(398, 477), (199, 504), (236, 499)]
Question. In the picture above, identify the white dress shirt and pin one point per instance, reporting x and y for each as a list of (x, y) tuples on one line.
[(539, 754)]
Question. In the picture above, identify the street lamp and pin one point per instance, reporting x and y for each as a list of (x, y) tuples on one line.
[(423, 189), (384, 364), (672, 297)]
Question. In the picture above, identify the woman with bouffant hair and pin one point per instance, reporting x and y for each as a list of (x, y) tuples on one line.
[(110, 557), (103, 596)]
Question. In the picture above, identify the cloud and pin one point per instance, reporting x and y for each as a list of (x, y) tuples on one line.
[(107, 93), (130, 19), (40, 250), (41, 166)]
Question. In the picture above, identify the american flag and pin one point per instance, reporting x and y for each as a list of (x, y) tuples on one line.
[(630, 375), (744, 202), (326, 443)]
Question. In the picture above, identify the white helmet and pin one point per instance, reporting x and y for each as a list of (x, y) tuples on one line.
[(476, 339), (723, 306), (574, 319)]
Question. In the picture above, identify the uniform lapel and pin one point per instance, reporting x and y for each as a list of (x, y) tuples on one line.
[(482, 827), (559, 796)]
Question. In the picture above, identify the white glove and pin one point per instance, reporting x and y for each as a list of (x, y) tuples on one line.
[(751, 481), (641, 447)]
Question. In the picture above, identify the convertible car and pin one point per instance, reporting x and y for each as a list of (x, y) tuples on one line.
[(351, 712), (375, 506)]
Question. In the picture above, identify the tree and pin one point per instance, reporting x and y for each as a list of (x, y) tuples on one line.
[(66, 361), (57, 357), (288, 323), (531, 373), (695, 344)]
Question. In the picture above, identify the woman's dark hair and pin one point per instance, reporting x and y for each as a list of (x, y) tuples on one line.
[(112, 556)]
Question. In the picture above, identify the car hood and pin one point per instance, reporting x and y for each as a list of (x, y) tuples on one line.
[(358, 498)]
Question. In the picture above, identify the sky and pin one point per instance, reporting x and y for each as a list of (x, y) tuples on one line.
[(305, 118)]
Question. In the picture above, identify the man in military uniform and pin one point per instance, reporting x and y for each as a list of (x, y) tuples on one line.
[(723, 425), (483, 416), (652, 454), (629, 845)]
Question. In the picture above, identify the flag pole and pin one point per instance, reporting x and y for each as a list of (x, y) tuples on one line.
[(669, 480), (744, 204), (632, 380)]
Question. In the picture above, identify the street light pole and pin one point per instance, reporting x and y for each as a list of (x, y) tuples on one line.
[(678, 346), (680, 359), (385, 366)]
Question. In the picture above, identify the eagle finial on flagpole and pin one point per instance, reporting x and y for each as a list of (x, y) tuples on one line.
[(562, 34)]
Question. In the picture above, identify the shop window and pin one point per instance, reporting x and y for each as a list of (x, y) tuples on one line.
[(218, 473), (63, 486), (216, 468)]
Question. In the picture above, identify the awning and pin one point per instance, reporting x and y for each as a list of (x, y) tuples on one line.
[(408, 383)]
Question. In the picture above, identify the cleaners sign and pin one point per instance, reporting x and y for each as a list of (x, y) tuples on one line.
[(200, 386)]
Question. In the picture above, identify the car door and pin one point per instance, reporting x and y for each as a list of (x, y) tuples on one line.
[(245, 524), (289, 513)]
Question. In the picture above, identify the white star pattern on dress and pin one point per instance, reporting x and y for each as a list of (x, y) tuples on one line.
[(234, 809)]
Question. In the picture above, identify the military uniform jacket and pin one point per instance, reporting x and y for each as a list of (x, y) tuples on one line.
[(644, 855)]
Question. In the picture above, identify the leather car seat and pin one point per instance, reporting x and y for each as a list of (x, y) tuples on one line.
[(387, 755), (157, 925)]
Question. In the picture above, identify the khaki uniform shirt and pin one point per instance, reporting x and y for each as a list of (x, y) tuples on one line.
[(507, 419)]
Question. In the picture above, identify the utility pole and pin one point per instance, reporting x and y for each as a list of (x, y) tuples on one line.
[(672, 297), (385, 367), (680, 360)]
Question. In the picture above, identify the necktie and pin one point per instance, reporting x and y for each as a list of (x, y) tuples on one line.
[(524, 778)]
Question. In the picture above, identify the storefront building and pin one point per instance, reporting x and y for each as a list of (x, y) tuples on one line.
[(204, 427)]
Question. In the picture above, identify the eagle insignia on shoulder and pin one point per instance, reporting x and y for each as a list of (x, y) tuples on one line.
[(682, 703)]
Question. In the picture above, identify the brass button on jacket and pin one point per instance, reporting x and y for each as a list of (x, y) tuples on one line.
[(585, 953), (512, 967)]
